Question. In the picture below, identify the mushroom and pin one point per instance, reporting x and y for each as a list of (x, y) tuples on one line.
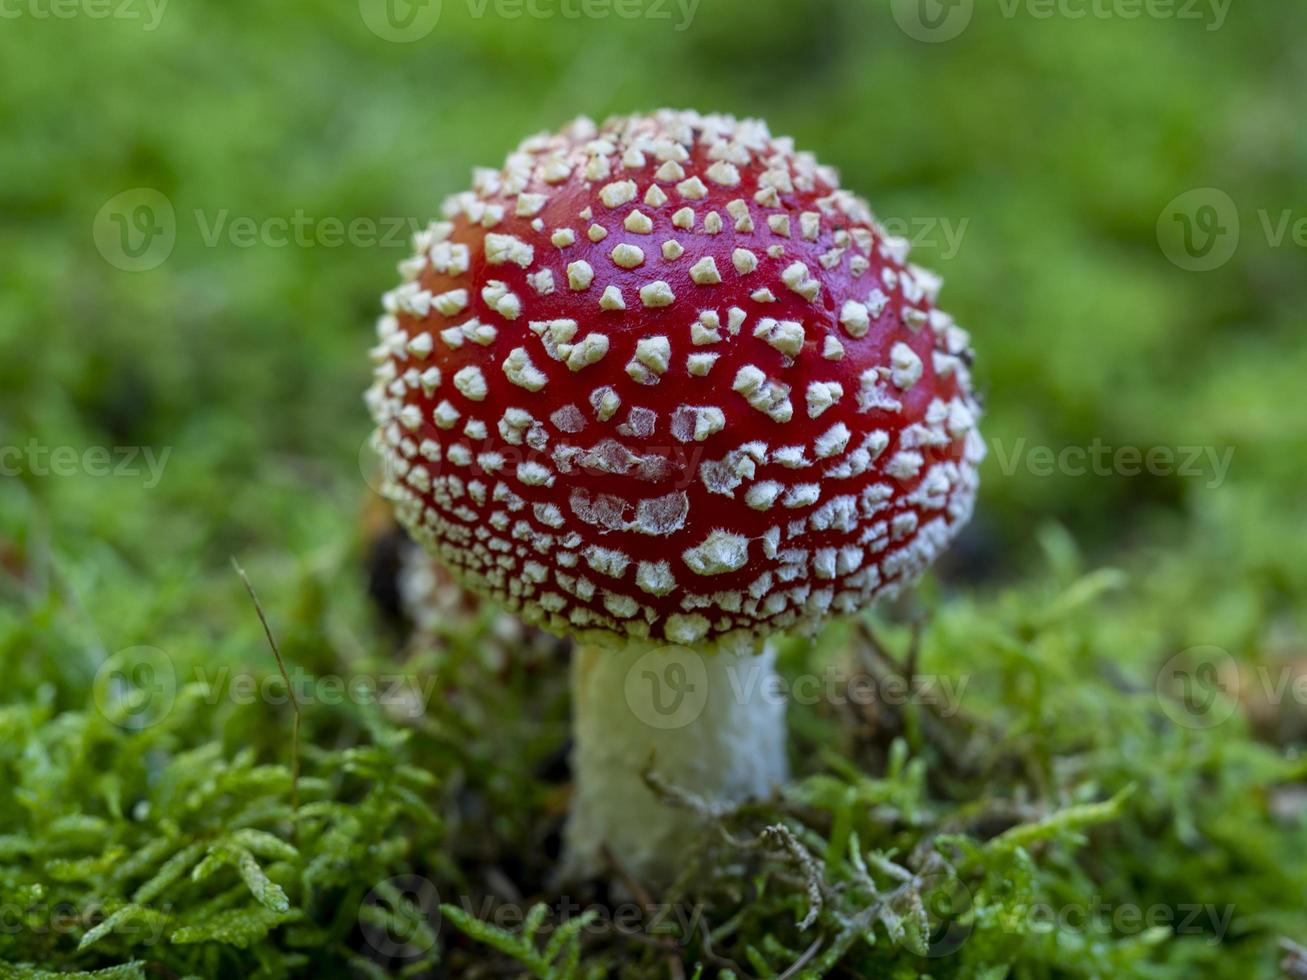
[(663, 386)]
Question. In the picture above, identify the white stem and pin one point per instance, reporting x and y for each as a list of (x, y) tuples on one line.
[(714, 724)]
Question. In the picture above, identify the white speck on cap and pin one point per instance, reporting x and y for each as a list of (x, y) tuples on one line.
[(744, 261), (799, 280), (410, 416), (501, 299), (605, 401), (686, 629), (706, 330), (445, 415), (906, 366), (590, 350), (508, 248), (873, 394), (621, 606), (791, 457), (542, 282), (640, 422), (769, 397), (670, 171), (695, 423), (529, 205), (639, 223), (652, 358), (762, 496), (833, 441), (519, 370), (802, 495), (785, 335), (704, 272), (534, 474), (740, 214), (724, 174), (855, 319), (451, 303), (579, 275), (655, 577), (876, 303), (421, 346), (628, 256), (554, 334), (720, 552), (905, 465), (607, 561), (700, 364), (657, 293), (914, 319), (471, 383), (693, 189), (612, 299), (822, 395), (556, 171), (616, 194)]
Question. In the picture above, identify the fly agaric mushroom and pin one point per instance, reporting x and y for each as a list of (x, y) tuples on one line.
[(665, 387)]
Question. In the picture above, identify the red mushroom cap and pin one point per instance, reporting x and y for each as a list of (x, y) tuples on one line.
[(666, 381)]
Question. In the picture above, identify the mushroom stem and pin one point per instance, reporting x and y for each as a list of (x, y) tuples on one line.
[(713, 724)]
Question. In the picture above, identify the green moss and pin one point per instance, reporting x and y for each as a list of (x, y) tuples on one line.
[(1033, 810)]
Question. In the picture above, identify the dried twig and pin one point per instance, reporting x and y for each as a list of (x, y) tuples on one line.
[(811, 868), (803, 960), (641, 894), (947, 734), (717, 959), (290, 690), (637, 890), (682, 798)]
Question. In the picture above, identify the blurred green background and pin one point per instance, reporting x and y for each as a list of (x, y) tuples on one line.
[(1030, 157), (1037, 159)]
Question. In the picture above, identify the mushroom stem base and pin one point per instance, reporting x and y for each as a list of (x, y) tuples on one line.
[(709, 725)]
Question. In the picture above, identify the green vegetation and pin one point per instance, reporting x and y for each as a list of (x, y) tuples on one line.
[(1057, 801)]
